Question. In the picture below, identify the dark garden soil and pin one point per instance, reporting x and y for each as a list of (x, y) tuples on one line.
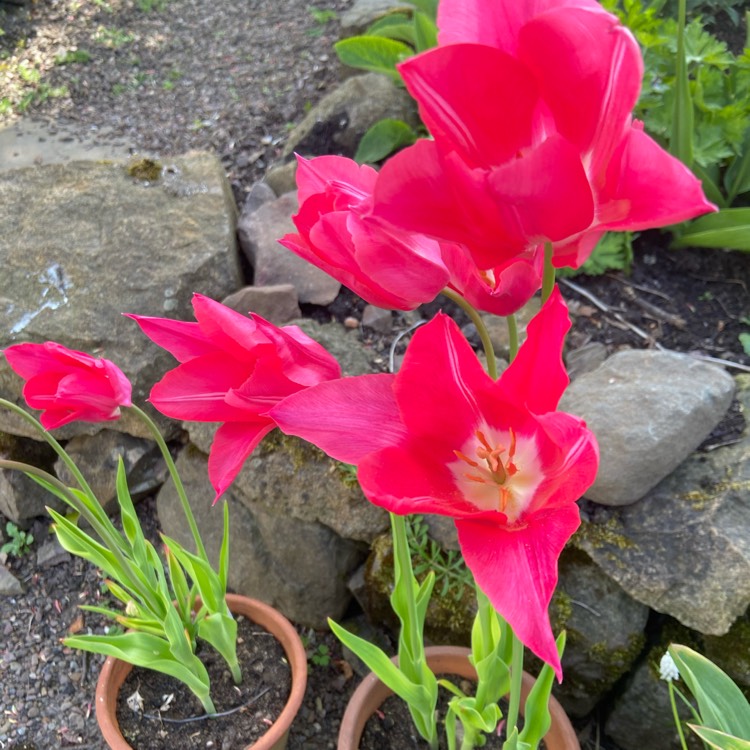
[(232, 78), (167, 714)]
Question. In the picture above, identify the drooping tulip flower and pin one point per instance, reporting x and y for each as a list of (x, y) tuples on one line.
[(233, 369), (383, 264), (492, 454), (69, 385), (529, 104)]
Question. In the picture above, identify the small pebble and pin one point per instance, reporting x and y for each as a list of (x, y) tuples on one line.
[(351, 322)]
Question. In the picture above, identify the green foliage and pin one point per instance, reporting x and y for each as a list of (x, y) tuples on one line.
[(322, 15), (321, 657), (451, 573), (374, 53), (745, 341), (382, 139), (723, 709), (695, 100), (19, 541), (148, 5), (387, 42), (73, 56), (112, 37), (613, 252)]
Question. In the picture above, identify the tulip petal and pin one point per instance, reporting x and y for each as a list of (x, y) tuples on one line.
[(646, 187), (517, 569), (486, 118), (589, 70), (346, 418), (232, 445), (196, 390), (184, 341), (537, 378), (336, 175), (437, 384), (497, 24), (406, 479)]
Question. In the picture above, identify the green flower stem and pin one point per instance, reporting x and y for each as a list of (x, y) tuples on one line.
[(200, 549), (516, 674), (403, 554), (548, 278), (67, 460), (677, 721), (484, 335), (512, 336)]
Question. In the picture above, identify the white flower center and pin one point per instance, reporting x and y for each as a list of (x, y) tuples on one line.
[(503, 476)]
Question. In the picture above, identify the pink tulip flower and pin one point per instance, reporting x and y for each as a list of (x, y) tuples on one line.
[(233, 369), (492, 454), (68, 385), (529, 103), (383, 264)]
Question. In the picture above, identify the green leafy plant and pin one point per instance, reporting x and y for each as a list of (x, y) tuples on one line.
[(321, 657), (164, 614), (696, 101), (451, 573), (112, 37), (722, 716), (19, 541), (387, 42)]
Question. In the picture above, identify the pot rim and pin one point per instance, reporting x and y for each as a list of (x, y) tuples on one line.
[(114, 671), (371, 693)]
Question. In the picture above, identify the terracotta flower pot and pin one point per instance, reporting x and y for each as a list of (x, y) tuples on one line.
[(371, 693), (114, 672)]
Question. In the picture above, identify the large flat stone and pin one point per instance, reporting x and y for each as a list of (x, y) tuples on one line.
[(83, 242)]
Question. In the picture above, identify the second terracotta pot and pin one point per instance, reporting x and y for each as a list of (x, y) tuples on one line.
[(114, 672), (371, 693)]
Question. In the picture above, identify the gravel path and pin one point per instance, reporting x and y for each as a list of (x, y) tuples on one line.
[(167, 76)]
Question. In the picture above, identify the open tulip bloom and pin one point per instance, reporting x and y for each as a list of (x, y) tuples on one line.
[(533, 155)]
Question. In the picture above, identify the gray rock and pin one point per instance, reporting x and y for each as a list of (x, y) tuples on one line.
[(97, 457), (277, 304), (281, 178), (498, 328), (378, 319), (279, 552), (337, 123), (85, 241), (22, 499), (261, 192), (604, 632), (585, 359), (9, 584), (354, 358), (363, 12), (259, 233), (642, 715), (684, 549), (649, 410), (51, 553)]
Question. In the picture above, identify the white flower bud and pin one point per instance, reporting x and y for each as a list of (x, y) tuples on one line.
[(668, 669)]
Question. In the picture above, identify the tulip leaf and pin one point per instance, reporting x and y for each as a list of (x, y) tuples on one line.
[(382, 139), (720, 740), (202, 574), (536, 711), (721, 704), (224, 552), (387, 672), (737, 177), (729, 229), (373, 53), (151, 652)]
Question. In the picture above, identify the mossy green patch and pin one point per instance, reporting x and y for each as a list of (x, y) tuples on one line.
[(148, 170)]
